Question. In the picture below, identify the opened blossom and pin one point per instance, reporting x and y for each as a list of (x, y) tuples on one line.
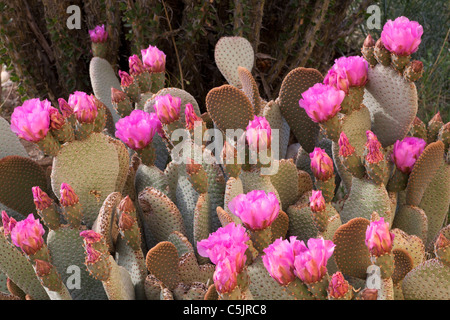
[(406, 152), (321, 164), (347, 72), (28, 235), (311, 262), (345, 148), (259, 134), (98, 34), (257, 209), (322, 102), (167, 108), (338, 286), (279, 259), (8, 223), (402, 36), (190, 116), (379, 239), (83, 106), (138, 129), (31, 120), (317, 201), (154, 59)]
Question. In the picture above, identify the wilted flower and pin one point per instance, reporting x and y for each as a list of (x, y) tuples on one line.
[(373, 147), (190, 116), (402, 36), (136, 66), (31, 121), (322, 102), (90, 236), (56, 119), (27, 235), (406, 152), (125, 79), (40, 198), (378, 238), (345, 148), (321, 164), (338, 286), (8, 223), (65, 108)]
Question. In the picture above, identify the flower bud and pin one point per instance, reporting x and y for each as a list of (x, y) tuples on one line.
[(65, 108), (136, 66), (338, 286), (373, 148), (28, 235), (378, 238), (83, 106), (41, 199), (259, 134), (321, 164), (167, 108), (191, 117), (345, 148), (434, 125), (414, 70), (98, 34), (8, 223), (154, 59), (316, 201), (68, 196)]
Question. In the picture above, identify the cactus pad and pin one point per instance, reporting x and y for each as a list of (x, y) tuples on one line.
[(162, 262), (10, 144)]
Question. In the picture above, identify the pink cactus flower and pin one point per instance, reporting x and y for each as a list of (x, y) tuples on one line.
[(41, 199), (125, 79), (138, 129), (154, 59), (279, 259), (378, 238), (27, 235), (65, 108), (402, 36), (228, 241), (345, 148), (83, 106), (317, 201), (322, 102), (406, 152), (8, 223), (31, 121), (347, 72), (259, 134), (136, 66), (321, 164), (256, 209), (311, 263), (167, 108), (190, 116), (338, 286), (68, 196), (90, 236), (98, 34), (225, 276), (373, 146)]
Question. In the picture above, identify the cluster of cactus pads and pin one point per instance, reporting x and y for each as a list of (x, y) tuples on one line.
[(356, 181)]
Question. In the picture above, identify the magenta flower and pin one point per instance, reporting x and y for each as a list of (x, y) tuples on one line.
[(125, 79), (190, 116), (136, 65), (259, 134), (225, 276), (68, 196), (378, 238), (138, 129), (406, 152), (90, 236), (167, 108), (154, 59), (98, 34), (321, 164), (373, 146), (402, 36), (8, 223), (41, 199), (83, 106), (322, 102), (347, 72), (27, 235), (338, 286), (345, 148), (317, 201), (31, 121), (228, 241), (279, 259), (311, 263), (256, 209)]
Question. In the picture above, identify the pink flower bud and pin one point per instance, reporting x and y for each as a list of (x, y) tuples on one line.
[(311, 262), (92, 255), (322, 102), (373, 146), (138, 129), (154, 59), (68, 196), (83, 106), (90, 236), (378, 238), (98, 34), (347, 72), (338, 286), (56, 119), (191, 116), (136, 65), (279, 259), (317, 201), (125, 79), (228, 241), (8, 223), (27, 235), (321, 164), (31, 121), (65, 108), (345, 148), (225, 276), (402, 36), (167, 108), (406, 152), (259, 134), (41, 199)]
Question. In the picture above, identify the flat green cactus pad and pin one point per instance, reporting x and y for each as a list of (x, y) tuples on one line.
[(10, 144)]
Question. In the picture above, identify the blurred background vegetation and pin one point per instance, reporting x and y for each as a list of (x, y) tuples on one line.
[(47, 60)]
